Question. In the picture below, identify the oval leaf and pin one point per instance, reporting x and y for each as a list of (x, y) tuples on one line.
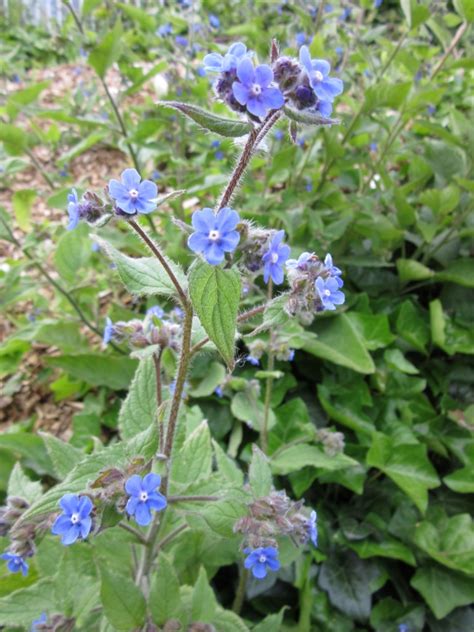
[(217, 124)]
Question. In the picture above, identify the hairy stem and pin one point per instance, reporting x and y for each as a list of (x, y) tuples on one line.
[(269, 384), (127, 527), (182, 499), (155, 250), (159, 398), (240, 592)]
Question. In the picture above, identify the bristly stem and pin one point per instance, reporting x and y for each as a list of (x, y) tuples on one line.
[(127, 527), (240, 592), (155, 250), (269, 384)]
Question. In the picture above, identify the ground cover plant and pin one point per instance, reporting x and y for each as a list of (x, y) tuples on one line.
[(237, 289)]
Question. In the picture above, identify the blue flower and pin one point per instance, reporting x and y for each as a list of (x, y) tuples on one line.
[(261, 559), (73, 209), (131, 195), (156, 310), (274, 259), (301, 38), (312, 528), (181, 40), (325, 87), (108, 331), (214, 62), (214, 234), (309, 185), (328, 8), (346, 14), (164, 30), (143, 497), (278, 134), (291, 355), (330, 267), (214, 21), (324, 108), (42, 619), (253, 88), (15, 563), (75, 521), (254, 361), (377, 4), (373, 146), (219, 391), (215, 144), (329, 292), (403, 627), (302, 262)]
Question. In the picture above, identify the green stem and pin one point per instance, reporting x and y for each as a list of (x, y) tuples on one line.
[(240, 592), (127, 527), (269, 384)]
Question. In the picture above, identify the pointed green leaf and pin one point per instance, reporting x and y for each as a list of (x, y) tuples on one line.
[(442, 589), (107, 51), (230, 128), (123, 601), (309, 118), (139, 410), (20, 485), (194, 459), (64, 456), (260, 475), (164, 599), (215, 294), (203, 603)]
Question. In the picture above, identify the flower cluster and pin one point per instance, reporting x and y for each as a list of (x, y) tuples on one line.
[(303, 83), (156, 329), (268, 518), (89, 208), (333, 442), (315, 286)]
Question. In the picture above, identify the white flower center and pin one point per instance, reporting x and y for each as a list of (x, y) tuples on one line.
[(318, 75), (75, 518), (133, 193), (213, 235), (262, 559), (274, 257), (143, 496), (327, 292), (256, 89)]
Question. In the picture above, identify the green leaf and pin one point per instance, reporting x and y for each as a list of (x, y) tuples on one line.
[(228, 621), (295, 457), (407, 465), (139, 16), (442, 589), (396, 360), (308, 118), (203, 602), (139, 409), (144, 275), (449, 541), (461, 481), (460, 271), (20, 98), (260, 475), (25, 605), (164, 599), (97, 369), (227, 466), (274, 315), (465, 8), (215, 294), (389, 548), (415, 13), (221, 516), (214, 376), (374, 329), (412, 326), (30, 448), (14, 139), (412, 270), (63, 455), (230, 128), (271, 623), (20, 485), (22, 202), (107, 51), (339, 341), (194, 459), (246, 407), (72, 253), (124, 604)]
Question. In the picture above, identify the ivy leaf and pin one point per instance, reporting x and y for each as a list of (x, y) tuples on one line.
[(229, 128), (460, 271), (215, 294), (461, 481), (260, 475), (442, 589), (139, 409), (143, 275), (123, 601), (107, 51), (407, 465)]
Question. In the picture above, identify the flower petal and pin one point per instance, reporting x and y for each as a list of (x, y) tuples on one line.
[(277, 274), (147, 190), (322, 66), (246, 71), (71, 535), (305, 58), (133, 485), (213, 62), (263, 75), (259, 570), (117, 190), (143, 515), (325, 108), (61, 525), (238, 49), (132, 505), (197, 242), (273, 563), (273, 98), (204, 220), (69, 503), (157, 501), (241, 93), (85, 507), (151, 482), (226, 220), (256, 106), (85, 526), (230, 241), (130, 179), (213, 254)]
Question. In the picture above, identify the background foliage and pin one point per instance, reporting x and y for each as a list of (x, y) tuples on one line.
[(387, 192)]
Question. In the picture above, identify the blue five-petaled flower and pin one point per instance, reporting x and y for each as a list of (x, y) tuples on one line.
[(75, 521), (15, 563), (329, 292), (73, 210), (260, 560), (312, 527), (215, 234), (214, 62), (274, 259), (41, 620), (254, 88), (143, 497), (131, 195), (325, 87)]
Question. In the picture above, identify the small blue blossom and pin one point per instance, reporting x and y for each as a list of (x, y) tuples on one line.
[(329, 292), (328, 8), (164, 30), (214, 21), (278, 134), (431, 109), (324, 108), (214, 62), (181, 40), (377, 4), (346, 14), (172, 389), (309, 185), (254, 88), (215, 144), (41, 620), (373, 146), (403, 627), (301, 38), (143, 497), (330, 267), (131, 195), (339, 51), (156, 175), (73, 209), (15, 563), (219, 155), (63, 173), (178, 312), (274, 259), (156, 310), (219, 391), (301, 262), (108, 331), (214, 234), (260, 560), (201, 71), (75, 521), (254, 361), (312, 528), (291, 355), (317, 70), (95, 247)]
